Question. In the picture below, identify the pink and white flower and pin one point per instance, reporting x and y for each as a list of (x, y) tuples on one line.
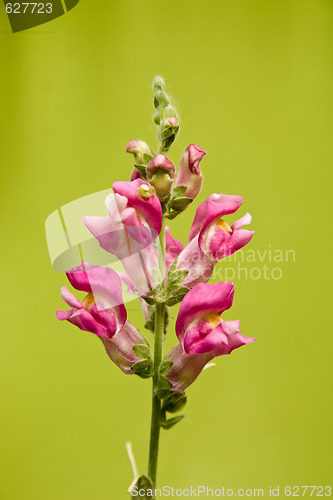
[(102, 312), (202, 333), (216, 238), (134, 220), (211, 238)]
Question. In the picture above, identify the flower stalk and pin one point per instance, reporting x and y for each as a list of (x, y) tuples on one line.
[(161, 277), (156, 402), (159, 327)]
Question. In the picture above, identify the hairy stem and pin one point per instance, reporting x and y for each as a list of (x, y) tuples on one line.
[(158, 354)]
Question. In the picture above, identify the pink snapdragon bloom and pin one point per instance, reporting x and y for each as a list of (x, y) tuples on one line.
[(211, 238), (202, 333), (134, 220), (188, 173), (102, 312), (216, 238)]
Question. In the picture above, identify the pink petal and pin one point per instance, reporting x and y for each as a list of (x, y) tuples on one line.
[(186, 367), (216, 205), (140, 270), (107, 318), (239, 239), (78, 276), (203, 298), (111, 231), (188, 173), (235, 339), (69, 298), (192, 259), (135, 174), (128, 282), (195, 155), (160, 161), (149, 208), (243, 221), (198, 342), (173, 248), (64, 315), (120, 347), (86, 322)]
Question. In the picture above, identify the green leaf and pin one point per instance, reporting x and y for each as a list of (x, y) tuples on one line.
[(172, 215), (142, 351), (165, 367), (142, 169), (147, 157), (163, 388), (167, 132), (143, 483), (174, 402), (150, 323), (179, 191), (177, 296), (167, 142), (167, 424), (176, 278), (179, 204), (149, 300), (143, 369)]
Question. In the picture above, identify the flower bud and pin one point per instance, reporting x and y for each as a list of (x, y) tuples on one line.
[(139, 149), (169, 129), (188, 173), (160, 174)]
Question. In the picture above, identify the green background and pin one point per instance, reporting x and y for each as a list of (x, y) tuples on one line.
[(253, 83)]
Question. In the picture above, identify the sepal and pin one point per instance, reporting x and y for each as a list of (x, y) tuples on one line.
[(168, 423), (143, 368), (142, 169), (178, 296), (142, 483), (178, 202), (142, 351), (164, 385), (150, 323), (165, 367), (174, 402)]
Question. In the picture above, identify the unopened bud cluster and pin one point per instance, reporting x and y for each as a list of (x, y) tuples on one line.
[(166, 116)]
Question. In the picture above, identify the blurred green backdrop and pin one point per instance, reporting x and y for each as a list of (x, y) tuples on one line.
[(253, 83)]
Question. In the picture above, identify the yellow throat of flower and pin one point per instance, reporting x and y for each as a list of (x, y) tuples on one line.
[(212, 318), (223, 225), (89, 301)]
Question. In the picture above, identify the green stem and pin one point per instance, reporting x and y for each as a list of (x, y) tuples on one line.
[(156, 402), (158, 354)]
